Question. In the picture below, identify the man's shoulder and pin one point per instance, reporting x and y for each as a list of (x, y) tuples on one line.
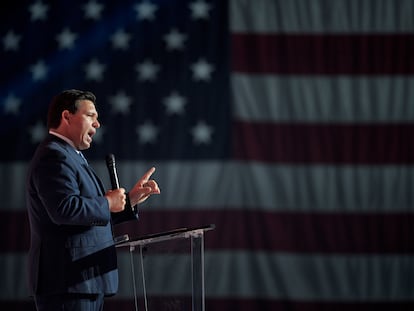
[(53, 148)]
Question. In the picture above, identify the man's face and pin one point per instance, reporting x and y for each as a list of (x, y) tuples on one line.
[(83, 124)]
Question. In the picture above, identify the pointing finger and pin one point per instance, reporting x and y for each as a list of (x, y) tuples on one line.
[(148, 174)]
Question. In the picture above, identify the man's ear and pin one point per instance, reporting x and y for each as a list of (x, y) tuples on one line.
[(66, 116)]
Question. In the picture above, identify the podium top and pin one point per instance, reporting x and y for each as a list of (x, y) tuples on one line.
[(125, 240)]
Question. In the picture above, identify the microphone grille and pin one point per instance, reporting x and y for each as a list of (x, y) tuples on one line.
[(110, 160)]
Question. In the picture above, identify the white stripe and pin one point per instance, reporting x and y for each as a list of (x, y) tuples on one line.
[(317, 16), (254, 275), (217, 185), (13, 281), (322, 99)]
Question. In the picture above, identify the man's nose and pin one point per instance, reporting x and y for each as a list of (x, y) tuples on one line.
[(96, 124)]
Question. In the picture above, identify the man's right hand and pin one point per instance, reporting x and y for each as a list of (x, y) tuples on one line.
[(116, 199)]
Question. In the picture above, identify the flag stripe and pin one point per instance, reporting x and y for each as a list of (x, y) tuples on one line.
[(315, 54), (319, 99), (281, 276), (317, 16), (239, 229), (277, 276), (266, 304), (288, 232), (254, 185), (230, 304), (319, 143), (13, 240)]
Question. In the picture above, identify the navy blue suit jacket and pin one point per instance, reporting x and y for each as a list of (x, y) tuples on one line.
[(72, 248)]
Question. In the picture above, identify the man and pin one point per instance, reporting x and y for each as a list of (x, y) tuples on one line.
[(72, 257)]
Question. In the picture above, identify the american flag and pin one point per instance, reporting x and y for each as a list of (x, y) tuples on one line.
[(286, 123)]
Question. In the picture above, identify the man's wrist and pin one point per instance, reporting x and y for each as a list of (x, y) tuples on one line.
[(134, 208)]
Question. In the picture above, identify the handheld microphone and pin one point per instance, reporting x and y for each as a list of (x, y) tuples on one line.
[(110, 163)]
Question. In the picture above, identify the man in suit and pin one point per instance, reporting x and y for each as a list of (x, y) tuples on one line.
[(72, 257)]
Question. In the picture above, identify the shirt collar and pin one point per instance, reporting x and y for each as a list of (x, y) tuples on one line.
[(64, 138)]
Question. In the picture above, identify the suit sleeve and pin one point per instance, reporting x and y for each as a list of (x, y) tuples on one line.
[(129, 213), (67, 192)]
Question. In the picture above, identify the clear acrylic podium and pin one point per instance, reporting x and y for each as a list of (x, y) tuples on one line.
[(138, 248)]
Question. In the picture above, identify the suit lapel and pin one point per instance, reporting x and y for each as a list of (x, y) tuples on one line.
[(82, 161), (98, 184), (95, 178)]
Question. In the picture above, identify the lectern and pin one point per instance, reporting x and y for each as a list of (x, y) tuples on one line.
[(138, 247)]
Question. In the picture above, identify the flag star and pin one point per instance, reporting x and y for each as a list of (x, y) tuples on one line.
[(37, 132), (201, 133), (174, 103), (11, 41), (12, 104), (94, 70), (39, 71), (120, 102), (147, 132), (145, 10), (120, 40), (202, 70), (93, 10), (66, 39), (147, 70), (199, 9), (175, 40), (38, 10)]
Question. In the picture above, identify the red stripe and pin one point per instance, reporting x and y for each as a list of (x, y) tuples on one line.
[(292, 232), (172, 303), (15, 231), (262, 304), (260, 230), (324, 143), (17, 305), (323, 53)]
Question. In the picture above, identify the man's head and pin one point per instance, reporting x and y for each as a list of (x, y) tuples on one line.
[(73, 114)]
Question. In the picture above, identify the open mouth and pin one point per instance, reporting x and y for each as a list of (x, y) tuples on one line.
[(90, 135)]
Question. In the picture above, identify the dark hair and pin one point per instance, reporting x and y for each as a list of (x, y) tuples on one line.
[(67, 100)]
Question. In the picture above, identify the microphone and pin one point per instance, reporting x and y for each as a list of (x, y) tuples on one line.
[(110, 163)]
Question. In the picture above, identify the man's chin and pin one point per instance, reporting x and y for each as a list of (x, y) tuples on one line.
[(86, 145)]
